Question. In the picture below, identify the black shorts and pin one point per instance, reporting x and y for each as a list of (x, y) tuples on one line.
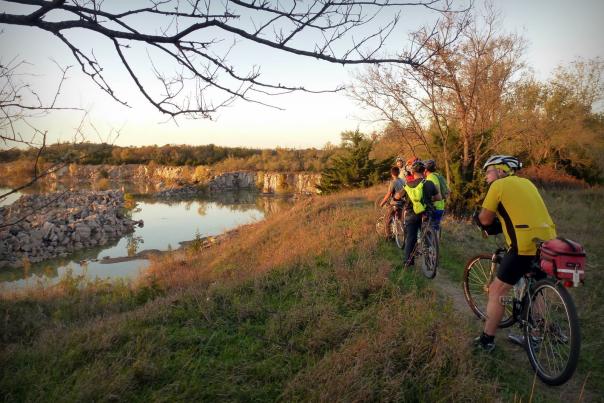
[(513, 266)]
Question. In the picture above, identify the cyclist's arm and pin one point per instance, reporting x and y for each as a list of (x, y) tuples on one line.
[(438, 196), (387, 195), (432, 194), (486, 217), (490, 204)]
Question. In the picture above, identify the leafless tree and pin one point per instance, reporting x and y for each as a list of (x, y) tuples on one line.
[(20, 104), (197, 36), (457, 96), (21, 108)]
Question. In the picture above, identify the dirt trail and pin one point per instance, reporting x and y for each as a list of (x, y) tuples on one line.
[(515, 355)]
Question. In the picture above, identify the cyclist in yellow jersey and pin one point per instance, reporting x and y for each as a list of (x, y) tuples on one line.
[(517, 204)]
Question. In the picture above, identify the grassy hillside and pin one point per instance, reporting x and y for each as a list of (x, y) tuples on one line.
[(307, 305)]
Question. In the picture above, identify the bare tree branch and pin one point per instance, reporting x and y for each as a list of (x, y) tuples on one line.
[(191, 35)]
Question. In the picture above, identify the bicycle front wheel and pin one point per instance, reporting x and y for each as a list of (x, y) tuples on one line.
[(429, 253), (477, 278), (551, 333)]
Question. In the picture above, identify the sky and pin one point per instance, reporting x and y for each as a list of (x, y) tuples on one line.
[(557, 32)]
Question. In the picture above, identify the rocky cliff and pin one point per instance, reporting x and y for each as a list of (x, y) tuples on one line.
[(266, 182), (153, 178)]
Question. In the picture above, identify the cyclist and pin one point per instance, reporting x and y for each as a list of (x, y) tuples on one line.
[(518, 206), (395, 193), (408, 172), (400, 164), (438, 180), (420, 197)]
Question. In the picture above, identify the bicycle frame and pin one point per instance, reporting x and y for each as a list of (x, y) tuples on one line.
[(543, 309), (518, 299)]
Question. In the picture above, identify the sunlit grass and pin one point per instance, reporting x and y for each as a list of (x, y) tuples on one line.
[(309, 304)]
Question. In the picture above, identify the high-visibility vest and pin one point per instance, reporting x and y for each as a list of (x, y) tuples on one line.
[(440, 204), (416, 195)]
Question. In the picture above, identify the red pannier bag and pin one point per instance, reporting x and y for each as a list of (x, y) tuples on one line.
[(563, 259)]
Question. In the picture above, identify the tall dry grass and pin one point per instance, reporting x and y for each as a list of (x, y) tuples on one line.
[(307, 305)]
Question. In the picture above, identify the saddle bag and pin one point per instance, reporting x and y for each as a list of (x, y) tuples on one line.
[(563, 259)]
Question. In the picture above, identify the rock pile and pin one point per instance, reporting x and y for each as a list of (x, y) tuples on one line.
[(55, 225)]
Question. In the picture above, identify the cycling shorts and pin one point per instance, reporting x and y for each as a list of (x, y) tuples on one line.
[(513, 266)]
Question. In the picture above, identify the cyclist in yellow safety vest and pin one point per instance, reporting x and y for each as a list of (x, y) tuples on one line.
[(438, 180), (420, 197), (523, 216)]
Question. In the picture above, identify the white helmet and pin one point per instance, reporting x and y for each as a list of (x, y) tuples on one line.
[(512, 162)]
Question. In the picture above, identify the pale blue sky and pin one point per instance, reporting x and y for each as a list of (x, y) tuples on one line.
[(557, 32)]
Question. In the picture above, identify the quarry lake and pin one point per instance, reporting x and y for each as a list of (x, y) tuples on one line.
[(166, 225)]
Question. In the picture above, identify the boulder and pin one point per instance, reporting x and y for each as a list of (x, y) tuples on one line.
[(54, 227)]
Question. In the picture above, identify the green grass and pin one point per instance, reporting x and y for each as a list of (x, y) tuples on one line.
[(235, 342), (268, 317)]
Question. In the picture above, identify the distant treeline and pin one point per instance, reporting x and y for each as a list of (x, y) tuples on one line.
[(228, 158)]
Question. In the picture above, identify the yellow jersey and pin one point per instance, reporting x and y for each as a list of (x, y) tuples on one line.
[(522, 212)]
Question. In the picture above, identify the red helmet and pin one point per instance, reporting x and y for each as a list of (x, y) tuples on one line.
[(410, 161)]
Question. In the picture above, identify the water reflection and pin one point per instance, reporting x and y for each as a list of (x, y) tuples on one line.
[(167, 223)]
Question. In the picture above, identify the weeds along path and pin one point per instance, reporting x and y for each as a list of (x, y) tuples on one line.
[(510, 362)]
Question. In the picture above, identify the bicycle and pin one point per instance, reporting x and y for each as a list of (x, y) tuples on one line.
[(543, 309), (396, 226), (428, 248)]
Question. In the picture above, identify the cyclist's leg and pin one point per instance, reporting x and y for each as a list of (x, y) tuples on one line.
[(387, 219), (511, 269), (399, 213), (437, 217), (413, 223), (495, 308)]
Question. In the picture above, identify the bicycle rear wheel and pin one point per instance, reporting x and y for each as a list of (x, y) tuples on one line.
[(477, 277), (379, 222), (379, 227), (429, 252), (399, 233), (551, 333)]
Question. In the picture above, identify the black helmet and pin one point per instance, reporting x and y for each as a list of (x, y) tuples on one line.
[(418, 166), (430, 165)]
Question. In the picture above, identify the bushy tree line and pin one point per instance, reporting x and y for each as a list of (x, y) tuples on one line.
[(223, 158), (352, 166), (476, 98)]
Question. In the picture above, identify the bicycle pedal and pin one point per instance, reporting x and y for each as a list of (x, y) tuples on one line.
[(517, 339)]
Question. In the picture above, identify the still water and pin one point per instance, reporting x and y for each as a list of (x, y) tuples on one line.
[(166, 223)]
